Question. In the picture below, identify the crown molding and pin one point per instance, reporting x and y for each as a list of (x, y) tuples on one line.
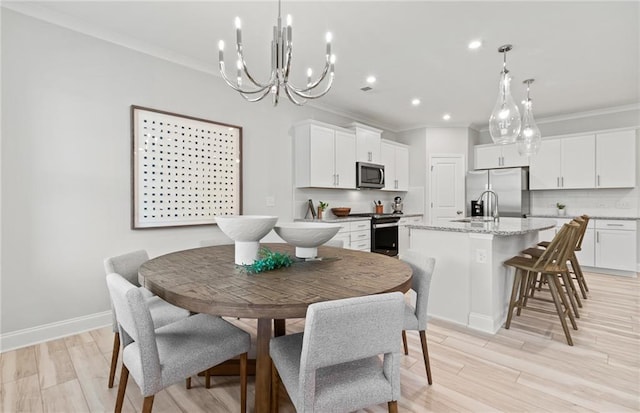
[(579, 115), (41, 13)]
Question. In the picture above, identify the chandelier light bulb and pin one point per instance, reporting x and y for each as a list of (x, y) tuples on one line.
[(289, 20), (505, 122), (221, 45), (328, 37), (529, 141), (238, 23)]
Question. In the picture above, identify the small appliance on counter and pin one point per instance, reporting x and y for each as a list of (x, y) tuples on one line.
[(397, 205)]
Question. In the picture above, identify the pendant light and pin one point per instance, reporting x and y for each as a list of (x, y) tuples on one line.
[(505, 123), (529, 140)]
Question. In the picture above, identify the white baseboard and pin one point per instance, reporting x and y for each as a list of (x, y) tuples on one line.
[(46, 332)]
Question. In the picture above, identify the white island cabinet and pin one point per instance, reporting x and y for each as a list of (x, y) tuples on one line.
[(470, 284)]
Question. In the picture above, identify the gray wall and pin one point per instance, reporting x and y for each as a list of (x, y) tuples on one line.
[(66, 162)]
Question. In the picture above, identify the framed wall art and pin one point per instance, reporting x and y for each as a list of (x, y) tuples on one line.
[(185, 170)]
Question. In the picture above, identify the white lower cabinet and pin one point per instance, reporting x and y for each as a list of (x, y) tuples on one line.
[(607, 244), (355, 235), (616, 244), (404, 233)]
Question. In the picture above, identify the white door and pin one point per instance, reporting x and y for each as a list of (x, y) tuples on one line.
[(545, 166), (578, 162), (345, 160), (322, 145), (446, 189), (615, 155)]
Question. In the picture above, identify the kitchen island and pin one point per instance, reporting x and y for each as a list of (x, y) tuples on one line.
[(470, 285)]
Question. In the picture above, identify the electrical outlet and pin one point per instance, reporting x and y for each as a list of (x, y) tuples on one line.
[(623, 205), (271, 201), (481, 256)]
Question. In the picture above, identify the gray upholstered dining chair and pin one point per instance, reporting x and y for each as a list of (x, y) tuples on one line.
[(160, 357), (415, 318), (162, 313), (335, 365)]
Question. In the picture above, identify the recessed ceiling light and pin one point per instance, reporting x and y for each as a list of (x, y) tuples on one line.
[(371, 80), (415, 102), (446, 116), (475, 44)]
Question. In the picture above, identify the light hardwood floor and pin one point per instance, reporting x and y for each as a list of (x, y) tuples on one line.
[(526, 368)]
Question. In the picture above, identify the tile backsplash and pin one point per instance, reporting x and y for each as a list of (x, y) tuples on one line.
[(624, 202)]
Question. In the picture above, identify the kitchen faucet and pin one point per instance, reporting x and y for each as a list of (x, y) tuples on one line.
[(496, 215)]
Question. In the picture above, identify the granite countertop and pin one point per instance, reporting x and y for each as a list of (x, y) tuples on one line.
[(555, 216), (506, 226)]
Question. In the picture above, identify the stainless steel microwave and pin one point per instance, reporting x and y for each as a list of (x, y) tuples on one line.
[(369, 175)]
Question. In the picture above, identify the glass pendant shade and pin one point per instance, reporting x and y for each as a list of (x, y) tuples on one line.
[(530, 139), (505, 123)]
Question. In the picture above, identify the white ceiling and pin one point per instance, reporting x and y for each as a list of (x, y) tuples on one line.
[(584, 55)]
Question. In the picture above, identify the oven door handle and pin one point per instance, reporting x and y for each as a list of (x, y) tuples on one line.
[(376, 226)]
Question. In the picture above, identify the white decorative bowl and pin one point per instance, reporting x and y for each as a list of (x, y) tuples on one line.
[(306, 236), (246, 231)]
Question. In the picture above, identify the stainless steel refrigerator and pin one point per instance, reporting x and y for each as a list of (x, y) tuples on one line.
[(511, 185)]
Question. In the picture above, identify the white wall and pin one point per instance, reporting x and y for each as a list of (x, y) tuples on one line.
[(66, 163)]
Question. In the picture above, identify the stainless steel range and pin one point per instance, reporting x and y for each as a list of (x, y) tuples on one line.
[(384, 233)]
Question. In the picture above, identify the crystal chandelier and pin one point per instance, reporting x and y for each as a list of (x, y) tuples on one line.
[(281, 50), (505, 123), (529, 140)]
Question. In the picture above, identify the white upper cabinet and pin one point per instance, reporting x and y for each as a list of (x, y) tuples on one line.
[(499, 156), (324, 156), (567, 163), (395, 158), (597, 160), (616, 159), (368, 141)]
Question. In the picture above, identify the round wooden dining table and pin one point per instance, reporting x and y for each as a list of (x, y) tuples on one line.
[(206, 280)]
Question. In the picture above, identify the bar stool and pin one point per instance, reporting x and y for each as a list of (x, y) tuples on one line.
[(551, 265), (572, 292), (575, 265)]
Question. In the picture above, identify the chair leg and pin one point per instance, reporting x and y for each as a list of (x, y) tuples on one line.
[(207, 379), (404, 342), (425, 354), (517, 276), (553, 288), (577, 270), (122, 387), (114, 358), (572, 294), (275, 384), (188, 385), (565, 303), (522, 297), (147, 404), (393, 406), (243, 383)]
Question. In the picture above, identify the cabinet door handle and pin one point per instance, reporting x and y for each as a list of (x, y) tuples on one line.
[(615, 225), (334, 179), (598, 176), (558, 182), (597, 236), (338, 179), (562, 181)]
